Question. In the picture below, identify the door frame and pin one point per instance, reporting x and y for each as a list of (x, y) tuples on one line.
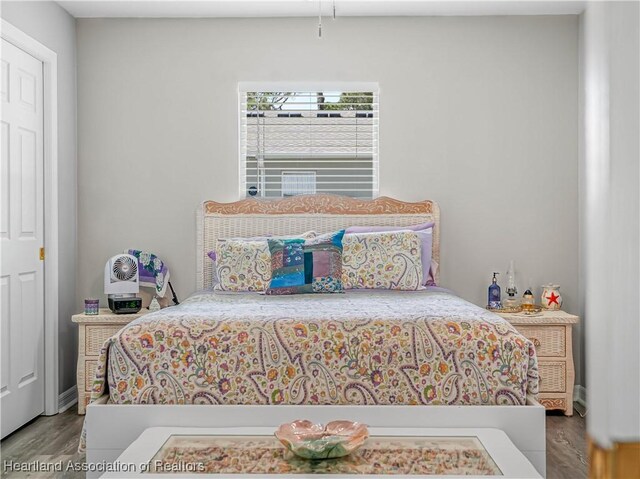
[(49, 61)]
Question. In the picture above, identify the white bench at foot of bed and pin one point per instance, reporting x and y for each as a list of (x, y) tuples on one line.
[(111, 428), (146, 458)]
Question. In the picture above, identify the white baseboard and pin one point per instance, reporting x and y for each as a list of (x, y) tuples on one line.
[(67, 399), (580, 395)]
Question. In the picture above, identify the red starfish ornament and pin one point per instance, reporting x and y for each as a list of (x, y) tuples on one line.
[(553, 299)]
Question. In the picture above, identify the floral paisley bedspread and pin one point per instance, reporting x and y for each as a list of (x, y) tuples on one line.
[(356, 348)]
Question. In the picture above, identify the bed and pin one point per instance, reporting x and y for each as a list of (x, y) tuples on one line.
[(386, 357), (358, 348)]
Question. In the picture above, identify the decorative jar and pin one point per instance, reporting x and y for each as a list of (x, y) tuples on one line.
[(91, 307), (551, 297)]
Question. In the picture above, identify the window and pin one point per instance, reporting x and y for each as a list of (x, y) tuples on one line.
[(311, 140)]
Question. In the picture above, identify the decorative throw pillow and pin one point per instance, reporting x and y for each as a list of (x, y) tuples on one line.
[(425, 233), (244, 264), (387, 260), (306, 266)]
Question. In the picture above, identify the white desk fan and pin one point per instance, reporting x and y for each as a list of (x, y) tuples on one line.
[(122, 284)]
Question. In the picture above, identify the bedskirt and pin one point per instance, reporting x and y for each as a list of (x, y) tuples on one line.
[(352, 349)]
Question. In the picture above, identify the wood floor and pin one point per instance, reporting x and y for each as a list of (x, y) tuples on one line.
[(566, 446), (55, 438), (47, 439)]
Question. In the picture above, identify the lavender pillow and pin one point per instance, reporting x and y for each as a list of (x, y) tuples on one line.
[(424, 232), (382, 229)]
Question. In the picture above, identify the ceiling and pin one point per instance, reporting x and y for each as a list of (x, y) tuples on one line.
[(309, 8)]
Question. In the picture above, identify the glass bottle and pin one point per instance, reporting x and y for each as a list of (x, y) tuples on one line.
[(511, 302), (528, 301), (494, 294)]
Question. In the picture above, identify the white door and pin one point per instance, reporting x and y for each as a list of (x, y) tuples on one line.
[(21, 237)]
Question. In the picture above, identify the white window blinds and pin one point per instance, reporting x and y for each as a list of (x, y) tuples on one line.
[(300, 142)]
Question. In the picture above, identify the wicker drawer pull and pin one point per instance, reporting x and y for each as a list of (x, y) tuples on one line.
[(549, 341)]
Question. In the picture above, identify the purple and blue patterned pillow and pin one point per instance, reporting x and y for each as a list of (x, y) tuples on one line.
[(306, 266)]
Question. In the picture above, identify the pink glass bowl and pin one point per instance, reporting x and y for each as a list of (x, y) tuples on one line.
[(317, 441)]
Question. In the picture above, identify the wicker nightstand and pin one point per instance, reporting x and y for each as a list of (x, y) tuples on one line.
[(93, 332), (550, 333)]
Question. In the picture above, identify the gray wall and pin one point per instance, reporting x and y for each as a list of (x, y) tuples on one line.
[(52, 26), (478, 113)]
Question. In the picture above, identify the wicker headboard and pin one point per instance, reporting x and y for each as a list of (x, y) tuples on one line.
[(321, 213)]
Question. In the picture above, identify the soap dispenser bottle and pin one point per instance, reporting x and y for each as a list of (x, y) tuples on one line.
[(494, 294)]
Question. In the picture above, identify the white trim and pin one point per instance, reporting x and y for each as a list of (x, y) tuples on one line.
[(49, 61), (245, 86), (67, 399), (242, 163), (376, 147), (580, 395), (289, 8)]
